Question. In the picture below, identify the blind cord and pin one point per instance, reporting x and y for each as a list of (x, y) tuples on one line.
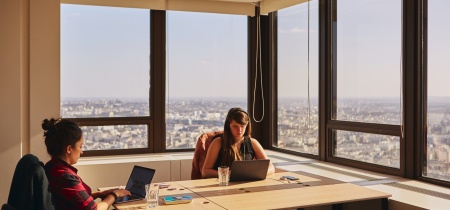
[(258, 55), (402, 120), (168, 69), (309, 100)]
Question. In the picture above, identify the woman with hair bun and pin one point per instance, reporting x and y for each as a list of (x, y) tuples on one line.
[(234, 144), (64, 141)]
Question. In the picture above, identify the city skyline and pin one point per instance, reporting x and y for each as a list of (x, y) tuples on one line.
[(188, 118)]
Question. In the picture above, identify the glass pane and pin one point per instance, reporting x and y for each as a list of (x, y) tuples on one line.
[(115, 137), (370, 148), (206, 73), (105, 62), (438, 116), (368, 61), (297, 114)]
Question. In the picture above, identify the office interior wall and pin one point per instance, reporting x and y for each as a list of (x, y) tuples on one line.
[(44, 70), (10, 92), (29, 79)]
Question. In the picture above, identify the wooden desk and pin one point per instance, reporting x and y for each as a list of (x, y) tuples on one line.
[(289, 196), (271, 193)]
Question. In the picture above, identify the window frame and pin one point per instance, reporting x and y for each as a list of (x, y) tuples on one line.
[(157, 80), (363, 127), (273, 34), (420, 145), (248, 71), (327, 99)]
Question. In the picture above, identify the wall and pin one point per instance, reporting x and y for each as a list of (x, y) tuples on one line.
[(107, 172), (29, 79), (10, 91)]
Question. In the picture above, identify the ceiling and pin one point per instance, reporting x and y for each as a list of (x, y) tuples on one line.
[(239, 7)]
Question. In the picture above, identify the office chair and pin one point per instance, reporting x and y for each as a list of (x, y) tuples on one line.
[(29, 187), (201, 148)]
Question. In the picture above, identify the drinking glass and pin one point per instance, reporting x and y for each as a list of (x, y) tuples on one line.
[(224, 175), (151, 195)]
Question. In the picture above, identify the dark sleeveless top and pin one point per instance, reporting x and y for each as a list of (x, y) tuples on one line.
[(246, 151)]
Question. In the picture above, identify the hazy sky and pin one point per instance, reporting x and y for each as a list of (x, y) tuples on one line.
[(108, 50), (105, 51)]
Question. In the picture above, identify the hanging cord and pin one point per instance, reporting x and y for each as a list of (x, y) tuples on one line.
[(402, 120), (309, 100), (258, 55), (168, 68)]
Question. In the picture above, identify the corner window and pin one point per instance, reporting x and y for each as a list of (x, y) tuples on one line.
[(366, 82), (298, 82), (206, 73), (105, 75), (437, 149)]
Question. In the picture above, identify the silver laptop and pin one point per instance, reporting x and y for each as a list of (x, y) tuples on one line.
[(249, 170), (139, 177)]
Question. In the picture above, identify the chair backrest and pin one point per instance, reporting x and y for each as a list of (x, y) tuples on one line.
[(200, 153), (7, 207), (29, 187)]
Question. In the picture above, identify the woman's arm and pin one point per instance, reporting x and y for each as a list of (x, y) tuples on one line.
[(111, 197), (208, 170), (102, 194), (260, 154)]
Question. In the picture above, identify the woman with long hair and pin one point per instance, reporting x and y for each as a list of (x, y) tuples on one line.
[(235, 143)]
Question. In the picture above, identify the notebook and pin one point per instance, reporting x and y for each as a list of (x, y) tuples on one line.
[(249, 170), (177, 199), (139, 177)]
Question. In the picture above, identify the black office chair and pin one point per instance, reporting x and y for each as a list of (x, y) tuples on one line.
[(29, 187)]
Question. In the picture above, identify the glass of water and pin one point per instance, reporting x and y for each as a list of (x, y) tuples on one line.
[(224, 175), (151, 196)]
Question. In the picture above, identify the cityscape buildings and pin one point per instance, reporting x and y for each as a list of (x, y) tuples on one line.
[(187, 119)]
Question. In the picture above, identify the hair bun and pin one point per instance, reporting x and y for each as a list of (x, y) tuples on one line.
[(48, 124)]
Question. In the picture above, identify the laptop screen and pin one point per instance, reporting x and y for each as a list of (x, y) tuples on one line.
[(249, 170), (140, 176)]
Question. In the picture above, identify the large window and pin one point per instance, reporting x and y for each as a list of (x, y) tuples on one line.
[(367, 80), (368, 61), (297, 73), (206, 73), (437, 161), (105, 74)]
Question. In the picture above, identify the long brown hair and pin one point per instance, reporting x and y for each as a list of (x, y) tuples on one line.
[(229, 154)]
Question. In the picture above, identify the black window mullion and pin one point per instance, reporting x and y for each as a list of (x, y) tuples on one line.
[(158, 78), (413, 86), (326, 61)]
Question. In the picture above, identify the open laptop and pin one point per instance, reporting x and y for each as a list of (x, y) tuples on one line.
[(249, 170), (139, 177)]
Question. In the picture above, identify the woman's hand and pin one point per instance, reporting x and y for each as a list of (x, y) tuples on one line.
[(102, 194), (105, 193), (121, 192), (111, 197)]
